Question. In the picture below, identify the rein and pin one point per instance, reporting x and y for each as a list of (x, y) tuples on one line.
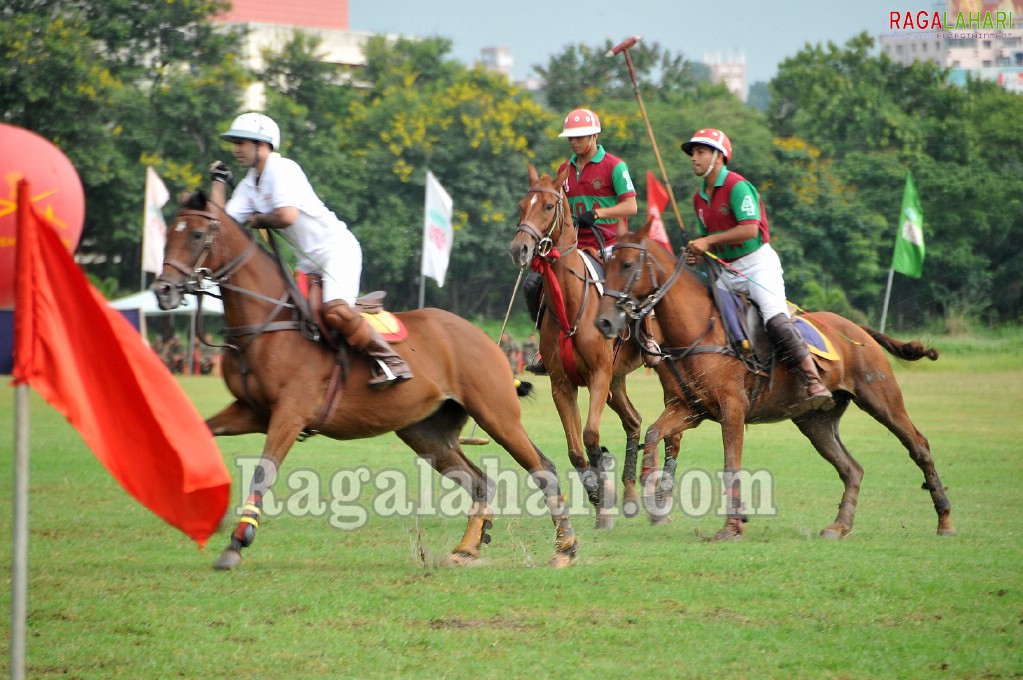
[(638, 310), (544, 259), (198, 277), (623, 298)]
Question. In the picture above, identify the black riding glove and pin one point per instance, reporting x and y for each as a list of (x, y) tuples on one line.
[(219, 172), (588, 219)]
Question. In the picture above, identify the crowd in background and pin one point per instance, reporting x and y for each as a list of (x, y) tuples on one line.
[(202, 360), (519, 357)]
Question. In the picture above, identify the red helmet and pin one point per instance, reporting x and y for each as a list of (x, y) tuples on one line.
[(581, 123), (715, 139)]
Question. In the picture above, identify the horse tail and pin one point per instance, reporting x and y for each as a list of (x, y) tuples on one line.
[(910, 351), (523, 388)]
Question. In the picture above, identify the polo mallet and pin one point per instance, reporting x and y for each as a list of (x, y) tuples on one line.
[(623, 48)]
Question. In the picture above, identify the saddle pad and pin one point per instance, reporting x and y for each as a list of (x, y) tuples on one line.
[(816, 341), (595, 269), (733, 307), (387, 325)]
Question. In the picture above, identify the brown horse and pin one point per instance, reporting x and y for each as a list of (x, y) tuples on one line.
[(573, 351), (703, 379), (280, 380)]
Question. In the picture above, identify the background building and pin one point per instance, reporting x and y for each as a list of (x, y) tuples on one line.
[(497, 59), (728, 70), (272, 24)]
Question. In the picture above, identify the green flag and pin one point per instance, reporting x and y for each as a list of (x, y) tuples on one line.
[(908, 257)]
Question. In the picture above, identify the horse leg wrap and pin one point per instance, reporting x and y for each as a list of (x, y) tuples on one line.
[(564, 534), (476, 536), (631, 460), (588, 476), (484, 536), (600, 459), (245, 532), (668, 475)]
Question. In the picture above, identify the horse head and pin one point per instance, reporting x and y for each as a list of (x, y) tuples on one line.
[(543, 215), (195, 253), (631, 280)]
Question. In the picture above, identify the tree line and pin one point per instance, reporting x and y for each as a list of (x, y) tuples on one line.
[(119, 85)]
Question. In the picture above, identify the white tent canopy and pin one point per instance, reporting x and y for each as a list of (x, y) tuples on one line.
[(145, 302)]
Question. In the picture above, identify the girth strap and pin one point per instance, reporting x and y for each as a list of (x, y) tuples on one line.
[(252, 329)]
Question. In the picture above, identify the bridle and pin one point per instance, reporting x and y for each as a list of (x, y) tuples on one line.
[(634, 308), (198, 280), (543, 238), (197, 277)]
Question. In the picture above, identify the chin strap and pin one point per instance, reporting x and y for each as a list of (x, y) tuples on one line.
[(710, 168)]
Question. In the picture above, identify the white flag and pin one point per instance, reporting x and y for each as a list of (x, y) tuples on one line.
[(437, 232), (154, 229)]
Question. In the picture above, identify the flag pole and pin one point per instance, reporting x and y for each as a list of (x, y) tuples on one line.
[(887, 296), (422, 256), (142, 251), (19, 561), (19, 539)]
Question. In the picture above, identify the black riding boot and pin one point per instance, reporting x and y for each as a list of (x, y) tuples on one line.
[(532, 290), (792, 349)]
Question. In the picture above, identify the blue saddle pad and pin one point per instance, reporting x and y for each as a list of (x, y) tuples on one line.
[(734, 309)]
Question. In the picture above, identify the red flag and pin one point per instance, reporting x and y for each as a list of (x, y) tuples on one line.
[(656, 202), (90, 364)]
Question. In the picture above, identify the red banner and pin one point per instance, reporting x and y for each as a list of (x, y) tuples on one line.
[(92, 366), (656, 202)]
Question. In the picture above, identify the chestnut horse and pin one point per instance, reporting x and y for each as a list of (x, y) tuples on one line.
[(280, 380), (703, 379), (570, 344)]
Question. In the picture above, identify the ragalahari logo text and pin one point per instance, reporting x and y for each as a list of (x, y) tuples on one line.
[(933, 20)]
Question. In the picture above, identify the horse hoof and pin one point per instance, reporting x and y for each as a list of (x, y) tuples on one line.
[(229, 560), (727, 534), (561, 560), (605, 521), (659, 520), (830, 534), (459, 559), (630, 507), (946, 531)]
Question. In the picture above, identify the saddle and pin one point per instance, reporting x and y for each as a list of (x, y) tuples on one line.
[(370, 306), (747, 337)]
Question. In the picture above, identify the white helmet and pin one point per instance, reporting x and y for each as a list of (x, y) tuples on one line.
[(580, 123), (257, 127)]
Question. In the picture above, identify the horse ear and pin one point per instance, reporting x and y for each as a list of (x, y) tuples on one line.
[(644, 231), (193, 201), (533, 176), (563, 176)]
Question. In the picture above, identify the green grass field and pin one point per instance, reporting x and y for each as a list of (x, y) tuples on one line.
[(114, 592)]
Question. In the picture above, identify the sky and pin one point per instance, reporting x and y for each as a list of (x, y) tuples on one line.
[(766, 32)]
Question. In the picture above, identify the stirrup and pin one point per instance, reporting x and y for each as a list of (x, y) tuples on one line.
[(385, 377), (821, 402)]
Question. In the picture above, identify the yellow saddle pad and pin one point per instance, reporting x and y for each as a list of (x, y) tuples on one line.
[(387, 325)]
